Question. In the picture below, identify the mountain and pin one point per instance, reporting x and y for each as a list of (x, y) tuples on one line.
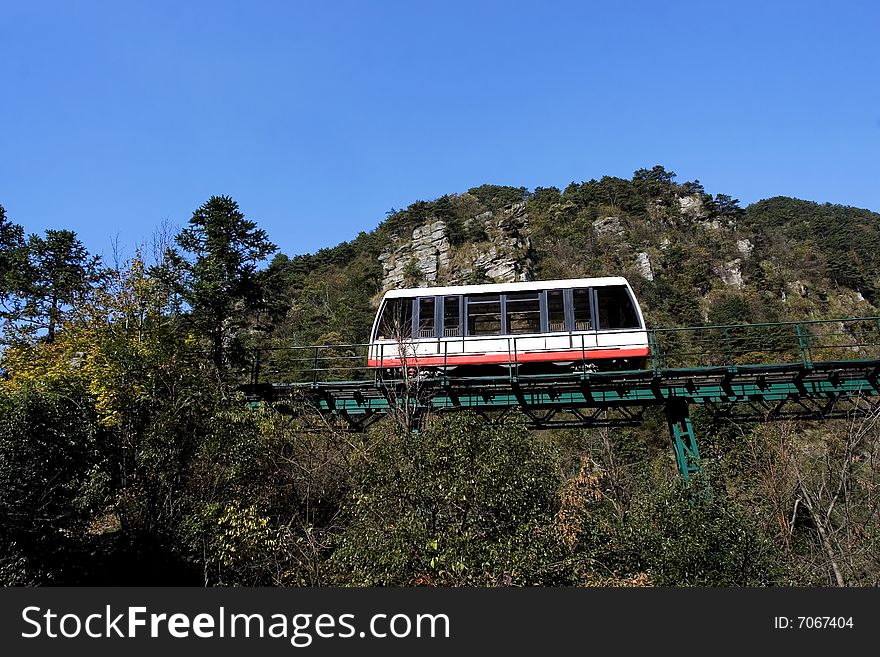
[(692, 258)]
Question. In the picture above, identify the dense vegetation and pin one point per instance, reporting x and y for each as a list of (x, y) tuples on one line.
[(127, 456)]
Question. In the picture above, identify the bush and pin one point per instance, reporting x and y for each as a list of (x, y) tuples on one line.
[(49, 476), (464, 502)]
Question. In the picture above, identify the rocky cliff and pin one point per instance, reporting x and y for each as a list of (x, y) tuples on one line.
[(427, 257)]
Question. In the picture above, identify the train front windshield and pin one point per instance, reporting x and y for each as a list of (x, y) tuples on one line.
[(616, 310), (395, 322)]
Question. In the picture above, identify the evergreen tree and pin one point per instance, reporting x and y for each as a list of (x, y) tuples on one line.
[(58, 271), (13, 256), (219, 280), (654, 184)]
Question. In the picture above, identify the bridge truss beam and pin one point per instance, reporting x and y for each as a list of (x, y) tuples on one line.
[(745, 393)]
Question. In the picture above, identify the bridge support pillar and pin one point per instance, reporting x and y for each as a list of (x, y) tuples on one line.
[(684, 441)]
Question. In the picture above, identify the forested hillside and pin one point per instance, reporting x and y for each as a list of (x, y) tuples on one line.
[(693, 258), (128, 456)]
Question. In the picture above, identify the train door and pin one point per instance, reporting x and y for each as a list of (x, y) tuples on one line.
[(452, 326), (426, 324), (581, 319), (523, 322), (483, 324)]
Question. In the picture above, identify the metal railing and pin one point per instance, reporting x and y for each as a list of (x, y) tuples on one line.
[(850, 339), (732, 345)]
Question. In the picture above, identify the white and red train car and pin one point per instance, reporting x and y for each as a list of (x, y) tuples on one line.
[(534, 326)]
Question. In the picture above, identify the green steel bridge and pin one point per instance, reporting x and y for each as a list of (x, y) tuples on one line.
[(748, 372)]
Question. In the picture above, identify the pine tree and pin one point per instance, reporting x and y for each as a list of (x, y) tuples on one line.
[(218, 279), (58, 271)]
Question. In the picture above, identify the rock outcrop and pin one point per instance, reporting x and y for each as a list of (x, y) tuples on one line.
[(692, 206), (643, 264), (608, 226), (427, 258), (731, 273)]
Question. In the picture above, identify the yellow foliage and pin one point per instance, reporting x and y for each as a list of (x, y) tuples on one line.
[(639, 580), (575, 497), (243, 530), (40, 363), (106, 346)]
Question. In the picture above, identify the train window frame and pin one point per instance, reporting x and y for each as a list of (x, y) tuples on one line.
[(467, 315), (459, 327), (533, 296), (417, 318), (547, 294), (591, 314)]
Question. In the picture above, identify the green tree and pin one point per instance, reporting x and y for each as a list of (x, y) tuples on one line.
[(463, 502), (13, 259), (727, 206), (218, 280), (495, 197), (59, 272), (682, 536), (655, 183), (48, 462)]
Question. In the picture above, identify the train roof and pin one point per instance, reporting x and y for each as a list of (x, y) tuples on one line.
[(500, 288)]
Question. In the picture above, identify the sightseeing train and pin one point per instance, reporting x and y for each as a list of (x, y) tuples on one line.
[(541, 326)]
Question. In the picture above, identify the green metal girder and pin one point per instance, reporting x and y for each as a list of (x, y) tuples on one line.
[(814, 390), (684, 441), (799, 384), (366, 397)]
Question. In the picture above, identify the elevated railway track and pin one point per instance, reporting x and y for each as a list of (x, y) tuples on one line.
[(813, 370)]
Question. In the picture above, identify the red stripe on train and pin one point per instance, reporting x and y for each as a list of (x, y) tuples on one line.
[(495, 359)]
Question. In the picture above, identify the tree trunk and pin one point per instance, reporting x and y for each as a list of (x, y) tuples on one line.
[(217, 352), (824, 538), (53, 313)]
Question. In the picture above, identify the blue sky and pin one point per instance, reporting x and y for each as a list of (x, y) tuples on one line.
[(319, 117)]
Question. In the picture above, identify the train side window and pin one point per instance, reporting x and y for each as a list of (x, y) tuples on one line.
[(396, 320), (583, 320), (426, 317), (484, 314), (451, 317), (523, 313), (555, 311), (616, 309)]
